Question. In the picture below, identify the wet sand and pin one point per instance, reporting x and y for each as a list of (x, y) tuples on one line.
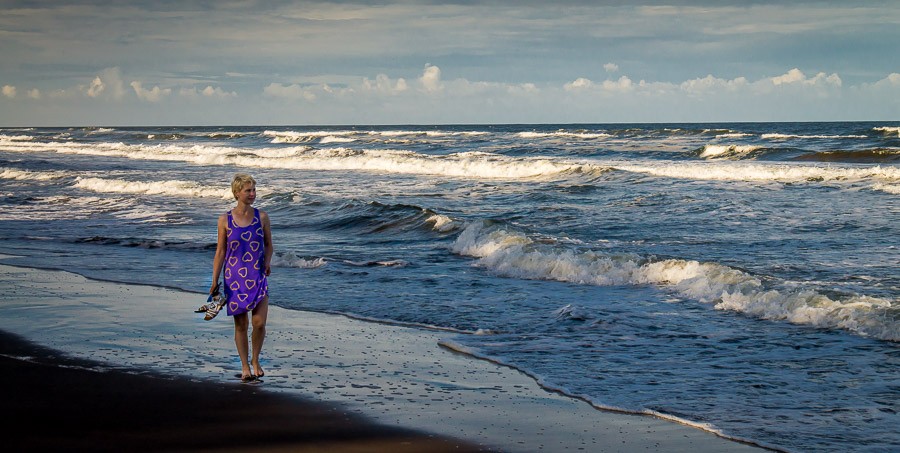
[(114, 366), (57, 403)]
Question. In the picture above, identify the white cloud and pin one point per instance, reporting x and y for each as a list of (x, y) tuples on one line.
[(108, 83), (431, 78), (154, 94), (96, 88), (796, 76), (34, 93), (820, 85), (209, 92), (611, 67), (289, 92), (621, 85), (892, 80), (217, 92), (9, 91), (382, 84), (580, 83), (710, 84)]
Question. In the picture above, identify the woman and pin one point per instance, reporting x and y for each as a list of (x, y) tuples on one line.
[(244, 256)]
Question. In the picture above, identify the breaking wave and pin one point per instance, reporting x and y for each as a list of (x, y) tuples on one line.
[(27, 175), (172, 187), (726, 151), (464, 164), (511, 253), (742, 171), (880, 155)]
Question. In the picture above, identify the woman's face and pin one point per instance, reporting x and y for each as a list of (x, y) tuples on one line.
[(247, 194)]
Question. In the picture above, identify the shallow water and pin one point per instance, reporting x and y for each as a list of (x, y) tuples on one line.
[(738, 275)]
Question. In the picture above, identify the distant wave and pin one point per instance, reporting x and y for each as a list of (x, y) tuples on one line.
[(28, 175), (163, 137), (374, 217), (146, 243), (170, 187), (564, 134), (512, 253), (742, 171), (466, 164), (879, 155), (16, 138), (726, 151), (789, 136), (888, 188), (347, 136), (888, 130), (733, 135), (290, 259), (303, 137), (463, 164)]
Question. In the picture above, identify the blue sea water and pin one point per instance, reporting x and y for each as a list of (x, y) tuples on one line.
[(740, 277)]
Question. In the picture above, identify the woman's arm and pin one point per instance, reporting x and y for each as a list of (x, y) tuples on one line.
[(267, 242), (219, 258)]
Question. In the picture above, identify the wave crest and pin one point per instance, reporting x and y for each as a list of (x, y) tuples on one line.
[(172, 187), (513, 254)]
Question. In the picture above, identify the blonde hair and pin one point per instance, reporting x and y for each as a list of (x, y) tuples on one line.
[(239, 181)]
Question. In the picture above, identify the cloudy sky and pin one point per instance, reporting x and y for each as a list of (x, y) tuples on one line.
[(430, 62)]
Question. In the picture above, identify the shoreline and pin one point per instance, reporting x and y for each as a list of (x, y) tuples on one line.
[(395, 376), (64, 403)]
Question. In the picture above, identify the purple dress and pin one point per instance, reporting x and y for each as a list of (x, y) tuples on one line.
[(245, 277)]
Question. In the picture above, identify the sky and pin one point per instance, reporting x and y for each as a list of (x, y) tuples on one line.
[(144, 63)]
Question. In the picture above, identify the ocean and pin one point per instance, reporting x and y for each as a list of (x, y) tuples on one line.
[(739, 277)]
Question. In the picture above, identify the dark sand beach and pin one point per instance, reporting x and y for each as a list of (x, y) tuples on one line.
[(57, 403), (91, 366)]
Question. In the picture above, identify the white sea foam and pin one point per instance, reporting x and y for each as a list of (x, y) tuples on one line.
[(888, 188), (511, 253), (171, 187), (101, 130), (467, 164), (335, 139), (20, 138), (733, 135), (889, 129), (787, 136), (27, 175), (64, 207), (443, 224), (290, 259), (301, 137), (455, 133), (584, 135), (396, 133), (716, 151), (745, 171)]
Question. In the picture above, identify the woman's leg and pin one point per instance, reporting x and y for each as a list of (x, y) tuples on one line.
[(241, 323), (260, 316)]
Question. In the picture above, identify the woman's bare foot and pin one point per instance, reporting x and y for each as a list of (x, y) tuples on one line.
[(259, 371)]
